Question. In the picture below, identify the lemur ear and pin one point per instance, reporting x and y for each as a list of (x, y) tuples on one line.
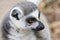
[(16, 13)]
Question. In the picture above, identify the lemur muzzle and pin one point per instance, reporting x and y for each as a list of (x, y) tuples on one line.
[(39, 27)]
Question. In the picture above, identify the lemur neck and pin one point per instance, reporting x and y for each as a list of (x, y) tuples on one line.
[(17, 34), (21, 35)]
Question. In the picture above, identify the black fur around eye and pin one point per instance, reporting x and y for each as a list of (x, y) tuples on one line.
[(31, 20), (39, 15)]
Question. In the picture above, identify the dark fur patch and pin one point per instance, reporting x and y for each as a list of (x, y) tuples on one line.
[(5, 27)]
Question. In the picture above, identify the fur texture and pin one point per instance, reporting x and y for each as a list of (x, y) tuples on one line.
[(15, 27)]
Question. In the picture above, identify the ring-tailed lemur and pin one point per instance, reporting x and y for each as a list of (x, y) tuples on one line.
[(25, 22)]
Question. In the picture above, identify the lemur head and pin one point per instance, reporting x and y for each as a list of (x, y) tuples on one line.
[(26, 16)]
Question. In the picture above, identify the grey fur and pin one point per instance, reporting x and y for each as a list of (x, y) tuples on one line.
[(27, 7), (5, 27)]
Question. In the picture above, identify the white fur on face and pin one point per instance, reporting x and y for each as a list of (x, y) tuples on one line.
[(21, 24), (34, 25), (34, 14)]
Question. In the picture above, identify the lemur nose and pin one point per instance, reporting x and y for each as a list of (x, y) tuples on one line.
[(39, 27)]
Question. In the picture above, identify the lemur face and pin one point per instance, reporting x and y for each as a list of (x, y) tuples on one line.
[(32, 21), (26, 18)]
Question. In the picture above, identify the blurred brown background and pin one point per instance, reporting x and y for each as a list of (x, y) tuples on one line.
[(51, 8)]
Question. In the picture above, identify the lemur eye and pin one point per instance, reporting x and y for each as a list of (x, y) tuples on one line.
[(31, 20)]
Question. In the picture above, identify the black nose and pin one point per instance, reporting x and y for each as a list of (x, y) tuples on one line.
[(39, 27)]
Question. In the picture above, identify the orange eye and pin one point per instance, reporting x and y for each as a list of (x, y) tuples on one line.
[(31, 20)]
